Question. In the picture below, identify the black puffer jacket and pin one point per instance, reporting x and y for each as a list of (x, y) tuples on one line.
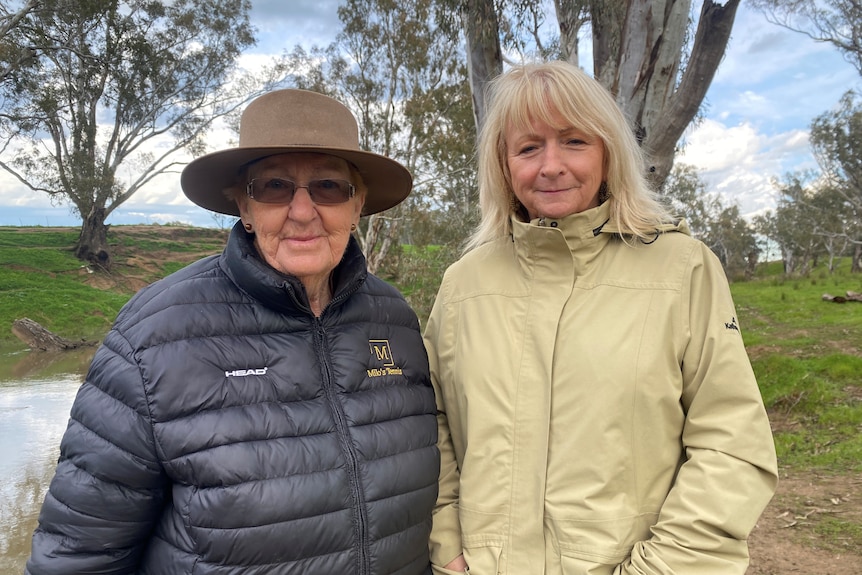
[(223, 429)]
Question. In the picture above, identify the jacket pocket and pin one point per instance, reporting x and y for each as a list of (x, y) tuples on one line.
[(574, 565), (483, 559), (597, 547), (482, 538)]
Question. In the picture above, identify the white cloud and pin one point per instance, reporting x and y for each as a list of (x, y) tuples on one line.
[(282, 25), (775, 78), (739, 162)]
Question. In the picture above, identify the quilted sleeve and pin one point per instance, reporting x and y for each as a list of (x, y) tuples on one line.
[(109, 487)]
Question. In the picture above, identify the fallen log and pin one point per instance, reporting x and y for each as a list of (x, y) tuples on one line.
[(38, 338), (851, 296)]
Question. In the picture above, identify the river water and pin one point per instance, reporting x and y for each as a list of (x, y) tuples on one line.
[(36, 393)]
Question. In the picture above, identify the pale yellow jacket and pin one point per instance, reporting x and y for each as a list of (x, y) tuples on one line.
[(598, 414)]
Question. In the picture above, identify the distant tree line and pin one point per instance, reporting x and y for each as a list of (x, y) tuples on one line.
[(818, 216)]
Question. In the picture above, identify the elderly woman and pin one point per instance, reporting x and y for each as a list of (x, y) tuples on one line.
[(266, 410), (598, 413)]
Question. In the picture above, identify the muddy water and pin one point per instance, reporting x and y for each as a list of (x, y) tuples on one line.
[(36, 393)]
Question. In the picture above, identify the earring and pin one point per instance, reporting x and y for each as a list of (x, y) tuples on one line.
[(352, 227), (518, 208), (604, 194), (247, 227)]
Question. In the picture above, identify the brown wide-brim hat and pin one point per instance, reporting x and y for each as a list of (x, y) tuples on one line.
[(294, 121)]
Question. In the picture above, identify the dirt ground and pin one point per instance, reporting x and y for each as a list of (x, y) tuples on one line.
[(793, 536)]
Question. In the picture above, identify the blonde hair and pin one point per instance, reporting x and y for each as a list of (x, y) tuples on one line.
[(545, 92)]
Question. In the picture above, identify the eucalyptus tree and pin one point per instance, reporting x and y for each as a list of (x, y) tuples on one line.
[(835, 140), (718, 225), (792, 224), (834, 226), (12, 56), (646, 52), (408, 90), (837, 22), (117, 90)]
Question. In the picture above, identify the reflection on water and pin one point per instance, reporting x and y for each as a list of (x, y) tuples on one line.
[(36, 393)]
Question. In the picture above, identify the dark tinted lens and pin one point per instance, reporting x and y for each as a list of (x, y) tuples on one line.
[(281, 191), (272, 190), (329, 191)]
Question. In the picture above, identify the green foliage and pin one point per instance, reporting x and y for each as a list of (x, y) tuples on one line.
[(400, 68), (417, 273), (720, 227), (820, 214)]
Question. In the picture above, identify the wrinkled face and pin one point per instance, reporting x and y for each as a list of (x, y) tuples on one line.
[(302, 238), (555, 172)]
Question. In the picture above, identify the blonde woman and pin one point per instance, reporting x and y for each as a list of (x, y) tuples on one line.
[(597, 411)]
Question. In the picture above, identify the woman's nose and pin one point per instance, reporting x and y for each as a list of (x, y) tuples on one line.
[(301, 206), (552, 160)]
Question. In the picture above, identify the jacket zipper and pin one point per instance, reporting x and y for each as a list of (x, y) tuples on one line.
[(357, 493), (347, 447)]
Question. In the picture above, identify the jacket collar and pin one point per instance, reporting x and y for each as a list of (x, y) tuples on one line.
[(580, 236), (579, 226), (284, 292), (548, 246), (588, 224)]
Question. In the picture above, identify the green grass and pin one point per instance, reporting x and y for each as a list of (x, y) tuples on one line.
[(41, 279), (807, 355), (842, 535)]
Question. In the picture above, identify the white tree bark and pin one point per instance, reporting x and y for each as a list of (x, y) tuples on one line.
[(638, 54), (484, 56)]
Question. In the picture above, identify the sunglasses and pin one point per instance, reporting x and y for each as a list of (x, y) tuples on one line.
[(281, 191)]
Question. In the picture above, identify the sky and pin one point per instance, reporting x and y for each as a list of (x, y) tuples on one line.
[(771, 84)]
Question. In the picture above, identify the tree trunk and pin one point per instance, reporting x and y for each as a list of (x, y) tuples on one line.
[(40, 339), (637, 54), (92, 245), (789, 261), (484, 57), (638, 51), (856, 264), (377, 240), (571, 16), (667, 126)]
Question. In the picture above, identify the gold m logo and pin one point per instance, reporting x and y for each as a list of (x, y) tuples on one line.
[(380, 350)]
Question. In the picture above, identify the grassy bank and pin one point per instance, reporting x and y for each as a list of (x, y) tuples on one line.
[(41, 279), (807, 353)]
